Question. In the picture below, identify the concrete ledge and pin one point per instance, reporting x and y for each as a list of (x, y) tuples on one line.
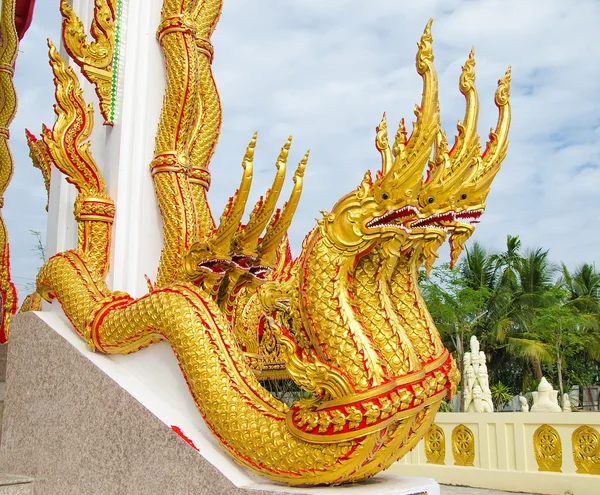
[(550, 483), (11, 479), (15, 485)]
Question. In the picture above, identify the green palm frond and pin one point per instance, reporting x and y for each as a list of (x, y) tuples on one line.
[(529, 349)]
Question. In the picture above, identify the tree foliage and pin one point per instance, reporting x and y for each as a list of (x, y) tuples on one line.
[(532, 317)]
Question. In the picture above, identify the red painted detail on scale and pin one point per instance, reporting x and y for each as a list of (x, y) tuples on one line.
[(188, 440)]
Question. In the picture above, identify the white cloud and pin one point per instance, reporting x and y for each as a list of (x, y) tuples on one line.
[(325, 71)]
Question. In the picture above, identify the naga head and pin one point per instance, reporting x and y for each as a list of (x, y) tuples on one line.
[(471, 204), (458, 180), (383, 209), (235, 247)]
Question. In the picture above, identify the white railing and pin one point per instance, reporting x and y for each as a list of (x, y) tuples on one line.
[(548, 453)]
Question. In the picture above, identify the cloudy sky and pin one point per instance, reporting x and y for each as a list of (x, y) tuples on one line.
[(325, 71)]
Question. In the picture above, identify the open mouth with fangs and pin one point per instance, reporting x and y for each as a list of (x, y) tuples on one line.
[(242, 261), (247, 264), (394, 218), (469, 216), (259, 271), (215, 266), (436, 218)]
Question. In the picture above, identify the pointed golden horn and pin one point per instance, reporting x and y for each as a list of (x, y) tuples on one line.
[(400, 141), (428, 114), (281, 222), (220, 243), (246, 240), (411, 158), (497, 144), (382, 145), (461, 162), (466, 143)]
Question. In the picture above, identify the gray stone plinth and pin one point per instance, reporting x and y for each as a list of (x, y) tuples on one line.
[(75, 430)]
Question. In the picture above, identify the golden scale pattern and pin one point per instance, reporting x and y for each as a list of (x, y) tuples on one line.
[(418, 322), (385, 328), (324, 311), (8, 107), (346, 317)]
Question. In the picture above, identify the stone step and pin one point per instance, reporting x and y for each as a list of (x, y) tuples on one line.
[(15, 485)]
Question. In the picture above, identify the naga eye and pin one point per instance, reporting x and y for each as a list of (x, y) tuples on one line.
[(430, 199), (385, 196), (464, 196)]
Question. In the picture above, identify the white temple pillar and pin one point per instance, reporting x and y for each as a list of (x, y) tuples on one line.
[(123, 152)]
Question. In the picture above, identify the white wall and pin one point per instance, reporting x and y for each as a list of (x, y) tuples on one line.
[(504, 453)]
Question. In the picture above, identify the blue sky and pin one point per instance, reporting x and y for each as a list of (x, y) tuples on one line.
[(326, 71)]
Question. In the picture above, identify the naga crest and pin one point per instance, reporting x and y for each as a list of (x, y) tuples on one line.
[(344, 320)]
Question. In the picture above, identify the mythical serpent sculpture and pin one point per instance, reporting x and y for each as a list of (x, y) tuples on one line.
[(346, 315)]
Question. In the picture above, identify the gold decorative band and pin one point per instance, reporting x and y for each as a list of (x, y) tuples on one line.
[(82, 217), (4, 132), (415, 377), (9, 69), (351, 435), (176, 24), (96, 209), (200, 176), (359, 414), (170, 161), (205, 46)]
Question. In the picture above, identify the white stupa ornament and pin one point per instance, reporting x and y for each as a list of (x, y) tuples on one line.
[(546, 398), (477, 396)]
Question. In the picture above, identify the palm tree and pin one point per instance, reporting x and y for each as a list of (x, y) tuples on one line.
[(477, 269), (536, 274), (583, 292), (512, 303), (516, 285), (583, 287), (508, 262)]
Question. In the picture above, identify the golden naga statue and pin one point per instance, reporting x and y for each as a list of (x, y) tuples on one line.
[(345, 320)]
